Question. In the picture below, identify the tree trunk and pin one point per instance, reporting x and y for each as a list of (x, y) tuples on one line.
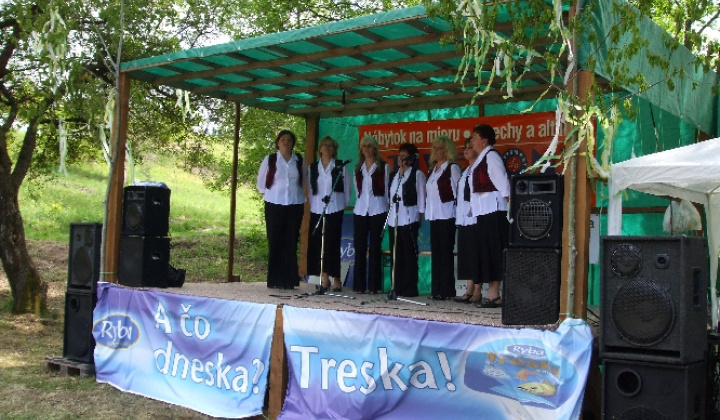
[(29, 291)]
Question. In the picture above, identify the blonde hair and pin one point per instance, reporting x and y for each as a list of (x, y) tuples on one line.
[(328, 139), (451, 152), (377, 158)]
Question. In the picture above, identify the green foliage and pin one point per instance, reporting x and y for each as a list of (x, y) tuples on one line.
[(510, 54), (199, 217)]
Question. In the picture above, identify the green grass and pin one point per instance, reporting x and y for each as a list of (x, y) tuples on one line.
[(199, 217), (48, 208), (199, 231)]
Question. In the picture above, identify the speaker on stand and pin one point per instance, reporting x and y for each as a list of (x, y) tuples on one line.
[(146, 210), (654, 298), (653, 326), (536, 210), (531, 294), (84, 256), (144, 259), (531, 284), (650, 390), (81, 293)]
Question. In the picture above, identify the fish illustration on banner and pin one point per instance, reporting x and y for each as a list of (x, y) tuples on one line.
[(522, 370)]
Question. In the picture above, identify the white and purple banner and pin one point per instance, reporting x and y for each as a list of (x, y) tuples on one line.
[(209, 355), (345, 365)]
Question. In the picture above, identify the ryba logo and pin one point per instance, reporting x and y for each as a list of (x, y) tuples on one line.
[(116, 331), (530, 352)]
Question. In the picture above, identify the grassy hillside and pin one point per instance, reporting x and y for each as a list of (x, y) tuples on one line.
[(199, 220), (199, 217)]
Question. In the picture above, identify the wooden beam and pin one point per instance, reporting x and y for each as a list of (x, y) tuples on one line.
[(580, 254), (312, 126), (411, 104), (294, 58), (278, 374), (378, 65), (117, 180), (233, 195)]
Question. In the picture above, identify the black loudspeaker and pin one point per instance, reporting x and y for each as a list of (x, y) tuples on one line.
[(641, 390), (78, 342), (536, 202), (84, 255), (144, 261), (654, 298), (531, 287), (146, 211)]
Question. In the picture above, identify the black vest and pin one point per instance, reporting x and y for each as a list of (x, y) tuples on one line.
[(336, 176), (409, 191)]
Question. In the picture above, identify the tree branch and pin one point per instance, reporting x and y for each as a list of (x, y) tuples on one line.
[(10, 46)]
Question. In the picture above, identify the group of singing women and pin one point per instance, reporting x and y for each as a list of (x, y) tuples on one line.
[(474, 201)]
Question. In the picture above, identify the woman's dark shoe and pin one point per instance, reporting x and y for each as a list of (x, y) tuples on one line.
[(438, 297), (464, 298), (489, 303), (337, 286)]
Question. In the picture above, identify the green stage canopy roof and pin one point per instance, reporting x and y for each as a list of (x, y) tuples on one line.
[(387, 62), (398, 61)]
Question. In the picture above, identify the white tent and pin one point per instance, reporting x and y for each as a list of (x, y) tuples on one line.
[(689, 172)]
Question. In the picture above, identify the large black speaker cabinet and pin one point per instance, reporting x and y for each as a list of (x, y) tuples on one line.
[(531, 287), (146, 210), (84, 255), (144, 261), (642, 390), (78, 342), (536, 210), (654, 298)]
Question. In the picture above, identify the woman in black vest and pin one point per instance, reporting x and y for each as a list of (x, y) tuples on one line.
[(440, 211), (407, 189), (328, 190), (280, 181), (370, 213), (468, 263), (490, 189)]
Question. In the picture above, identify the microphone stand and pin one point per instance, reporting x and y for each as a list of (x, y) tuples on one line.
[(321, 290)]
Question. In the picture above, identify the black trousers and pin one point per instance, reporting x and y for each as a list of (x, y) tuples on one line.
[(331, 252), (442, 242), (405, 261), (368, 228), (282, 225)]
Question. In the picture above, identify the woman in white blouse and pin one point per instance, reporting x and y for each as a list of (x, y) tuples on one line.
[(490, 189), (440, 211), (468, 264), (407, 205), (280, 181), (370, 213), (328, 191)]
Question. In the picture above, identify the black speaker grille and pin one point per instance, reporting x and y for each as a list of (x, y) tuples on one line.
[(78, 342), (84, 255), (82, 264), (641, 413), (534, 219), (531, 288), (626, 261), (643, 312), (134, 216)]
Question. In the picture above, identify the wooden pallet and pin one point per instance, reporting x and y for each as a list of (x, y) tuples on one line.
[(66, 367)]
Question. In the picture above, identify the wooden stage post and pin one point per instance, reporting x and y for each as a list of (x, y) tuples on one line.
[(277, 382)]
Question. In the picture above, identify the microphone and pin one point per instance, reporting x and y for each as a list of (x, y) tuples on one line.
[(412, 157)]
